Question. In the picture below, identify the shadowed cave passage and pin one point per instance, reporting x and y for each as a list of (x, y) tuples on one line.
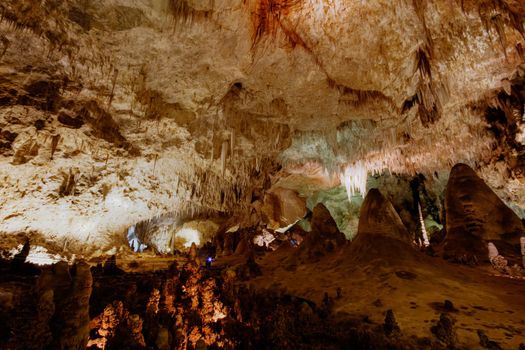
[(262, 174)]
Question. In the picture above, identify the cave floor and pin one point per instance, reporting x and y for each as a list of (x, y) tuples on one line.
[(414, 289), (412, 284)]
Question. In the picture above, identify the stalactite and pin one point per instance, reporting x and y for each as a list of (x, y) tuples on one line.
[(232, 143), (365, 148), (54, 143), (224, 151), (184, 14), (113, 84)]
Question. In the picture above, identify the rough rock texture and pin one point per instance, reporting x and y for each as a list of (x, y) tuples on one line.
[(50, 308), (475, 216), (112, 112), (323, 224), (323, 238), (378, 217), (382, 237), (283, 207)]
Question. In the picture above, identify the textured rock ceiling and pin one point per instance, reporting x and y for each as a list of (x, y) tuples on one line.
[(115, 111)]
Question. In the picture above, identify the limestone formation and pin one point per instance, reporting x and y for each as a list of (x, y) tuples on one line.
[(475, 215), (522, 243), (283, 207), (390, 325), (51, 309), (114, 112), (493, 251), (323, 238), (444, 330), (302, 147), (378, 217)]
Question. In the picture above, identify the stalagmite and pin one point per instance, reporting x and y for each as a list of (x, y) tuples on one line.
[(426, 242), (522, 244), (475, 215), (378, 217), (224, 151), (493, 251), (232, 144)]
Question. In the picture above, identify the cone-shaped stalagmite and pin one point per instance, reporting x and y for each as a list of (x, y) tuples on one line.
[(323, 238), (378, 217), (325, 225), (475, 216), (381, 234)]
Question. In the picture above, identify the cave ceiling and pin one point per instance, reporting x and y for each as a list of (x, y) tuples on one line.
[(115, 111)]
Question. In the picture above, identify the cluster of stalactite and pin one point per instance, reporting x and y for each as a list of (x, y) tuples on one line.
[(55, 22), (359, 148), (184, 13), (204, 190), (430, 94), (272, 17), (432, 91), (27, 15), (498, 14), (505, 114)]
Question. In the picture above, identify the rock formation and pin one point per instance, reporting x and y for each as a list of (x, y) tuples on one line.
[(522, 243), (51, 311), (283, 207), (381, 236), (196, 125), (378, 217), (114, 112), (475, 216), (323, 238)]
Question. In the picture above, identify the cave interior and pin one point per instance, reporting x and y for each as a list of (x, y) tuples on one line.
[(262, 174)]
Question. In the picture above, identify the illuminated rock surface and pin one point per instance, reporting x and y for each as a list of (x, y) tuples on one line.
[(293, 157), (113, 112)]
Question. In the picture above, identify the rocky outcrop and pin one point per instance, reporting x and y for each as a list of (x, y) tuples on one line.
[(378, 217), (50, 311), (382, 237), (323, 238), (283, 207), (71, 289), (323, 223), (475, 216)]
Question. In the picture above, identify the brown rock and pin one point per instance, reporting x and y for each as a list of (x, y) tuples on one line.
[(475, 216), (283, 207), (244, 246), (323, 238), (382, 238), (378, 217), (324, 224), (69, 121)]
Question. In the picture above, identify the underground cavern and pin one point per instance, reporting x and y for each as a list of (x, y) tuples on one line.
[(262, 174)]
